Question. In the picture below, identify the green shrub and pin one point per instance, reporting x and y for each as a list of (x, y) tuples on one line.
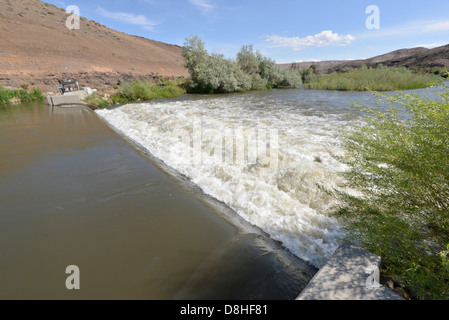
[(215, 74), (445, 259), (258, 83), (212, 73), (400, 170), (144, 90), (307, 75), (248, 60), (270, 72), (6, 95), (96, 100), (21, 94), (289, 78), (37, 95)]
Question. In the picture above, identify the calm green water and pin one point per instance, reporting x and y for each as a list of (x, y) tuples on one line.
[(74, 192)]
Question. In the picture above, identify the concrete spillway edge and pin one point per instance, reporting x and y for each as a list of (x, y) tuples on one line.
[(352, 273)]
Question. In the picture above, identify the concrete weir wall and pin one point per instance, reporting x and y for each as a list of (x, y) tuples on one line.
[(65, 99), (350, 274), (70, 97)]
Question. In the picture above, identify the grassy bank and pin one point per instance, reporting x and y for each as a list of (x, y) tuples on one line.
[(378, 79), (8, 96), (443, 72), (139, 90)]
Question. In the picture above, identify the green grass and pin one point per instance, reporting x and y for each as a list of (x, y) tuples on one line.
[(96, 100), (139, 90), (378, 79), (20, 95), (144, 90)]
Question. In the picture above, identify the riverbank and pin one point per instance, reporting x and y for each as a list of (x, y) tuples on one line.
[(102, 80), (138, 91), (127, 92)]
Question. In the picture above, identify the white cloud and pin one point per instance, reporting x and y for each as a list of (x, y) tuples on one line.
[(203, 5), (410, 29), (437, 26), (322, 39), (130, 18)]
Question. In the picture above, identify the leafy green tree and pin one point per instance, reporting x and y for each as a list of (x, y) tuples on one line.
[(258, 83), (270, 72), (249, 60), (307, 74), (194, 52), (289, 78), (226, 76), (197, 61), (214, 73), (399, 176)]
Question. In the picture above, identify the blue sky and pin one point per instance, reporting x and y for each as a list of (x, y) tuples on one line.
[(284, 31)]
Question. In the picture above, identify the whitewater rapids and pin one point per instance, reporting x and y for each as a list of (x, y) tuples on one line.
[(262, 155)]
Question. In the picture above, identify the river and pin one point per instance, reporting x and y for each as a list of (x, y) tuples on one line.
[(199, 197), (264, 154)]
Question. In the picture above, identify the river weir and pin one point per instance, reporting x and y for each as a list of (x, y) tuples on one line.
[(268, 155), (264, 154)]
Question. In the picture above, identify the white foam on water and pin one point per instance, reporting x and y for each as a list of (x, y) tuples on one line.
[(281, 196)]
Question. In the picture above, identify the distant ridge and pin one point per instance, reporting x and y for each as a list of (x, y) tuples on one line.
[(36, 49), (414, 58)]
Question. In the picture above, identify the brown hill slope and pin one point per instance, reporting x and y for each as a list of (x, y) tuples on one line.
[(37, 49), (414, 58)]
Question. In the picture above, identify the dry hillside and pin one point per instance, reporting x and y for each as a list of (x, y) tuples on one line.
[(415, 58), (36, 49)]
